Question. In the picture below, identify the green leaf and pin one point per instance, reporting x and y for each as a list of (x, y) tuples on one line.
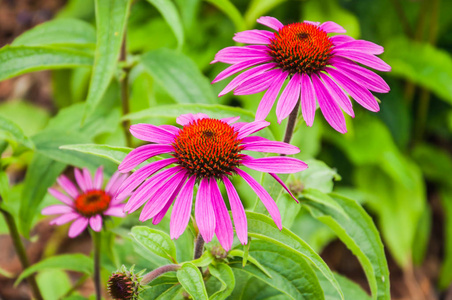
[(111, 17), (351, 289), (15, 133), (224, 274), (259, 8), (191, 279), (19, 60), (178, 75), (29, 117), (115, 154), (318, 176), (155, 241), (41, 174), (205, 260), (61, 32), (360, 235), (72, 262), (263, 227), (245, 254), (231, 11), (53, 284), (5, 273), (434, 162), (171, 16), (445, 275), (322, 198), (291, 275), (173, 111), (422, 64)]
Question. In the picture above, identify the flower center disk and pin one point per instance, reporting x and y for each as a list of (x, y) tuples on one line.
[(92, 202), (301, 48), (208, 148)]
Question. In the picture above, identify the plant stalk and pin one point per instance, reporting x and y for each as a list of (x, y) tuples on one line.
[(291, 122), (125, 93), (147, 278), (199, 247), (21, 253), (97, 245)]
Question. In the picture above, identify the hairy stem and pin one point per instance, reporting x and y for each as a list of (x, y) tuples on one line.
[(291, 122), (97, 245), (20, 250), (199, 247), (147, 278), (125, 94)]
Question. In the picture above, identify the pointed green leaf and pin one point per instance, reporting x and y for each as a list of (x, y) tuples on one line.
[(191, 279), (155, 241), (115, 154), (224, 274), (252, 260), (231, 11), (14, 132)]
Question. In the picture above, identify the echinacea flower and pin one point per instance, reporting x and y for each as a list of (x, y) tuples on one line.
[(88, 204), (205, 151), (316, 64)]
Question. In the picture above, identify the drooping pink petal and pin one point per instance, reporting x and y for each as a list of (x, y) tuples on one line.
[(238, 213), (365, 59), (173, 129), (270, 95), (142, 153), (361, 46), (307, 99), (78, 227), (80, 180), (67, 186), (188, 118), (272, 147), (257, 83), (230, 120), (88, 179), (330, 27), (235, 68), (289, 98), (265, 197), (60, 196), (235, 54), (360, 94), (254, 36), (245, 76), (274, 164), (338, 94), (339, 39), (114, 188), (182, 209), (311, 22), (237, 126), (271, 22), (65, 218), (96, 222), (283, 185), (253, 138), (56, 209), (223, 226), (98, 178), (141, 174), (250, 128), (204, 214), (151, 133), (330, 109), (112, 181), (115, 211), (163, 212)]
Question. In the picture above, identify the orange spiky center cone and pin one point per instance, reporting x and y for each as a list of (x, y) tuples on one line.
[(92, 202)]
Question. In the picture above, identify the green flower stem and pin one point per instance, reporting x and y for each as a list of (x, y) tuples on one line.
[(291, 122), (125, 93), (199, 247), (97, 245), (20, 249), (147, 278)]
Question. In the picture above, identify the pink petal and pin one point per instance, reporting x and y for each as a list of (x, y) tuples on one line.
[(289, 98), (251, 128), (235, 68), (274, 164), (330, 109), (66, 218), (182, 208), (162, 213), (223, 226), (80, 180), (238, 213), (141, 174), (235, 54), (254, 138), (173, 129), (361, 46), (330, 27), (115, 182), (307, 99), (142, 153), (151, 133), (115, 211), (99, 178), (96, 222), (77, 227), (339, 39), (230, 120), (68, 186), (88, 179), (338, 94), (272, 147), (265, 197), (283, 185), (365, 59), (204, 214), (271, 22), (360, 94), (254, 36), (56, 209), (60, 196), (313, 23), (270, 95), (257, 83), (186, 119)]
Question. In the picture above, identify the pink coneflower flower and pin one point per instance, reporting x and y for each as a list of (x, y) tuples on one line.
[(206, 152), (317, 66), (87, 205)]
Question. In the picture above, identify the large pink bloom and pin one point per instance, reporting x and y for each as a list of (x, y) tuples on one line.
[(321, 69), (89, 203), (205, 151)]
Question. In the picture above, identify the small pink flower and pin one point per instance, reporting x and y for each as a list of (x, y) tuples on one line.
[(87, 205), (321, 69), (206, 152)]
